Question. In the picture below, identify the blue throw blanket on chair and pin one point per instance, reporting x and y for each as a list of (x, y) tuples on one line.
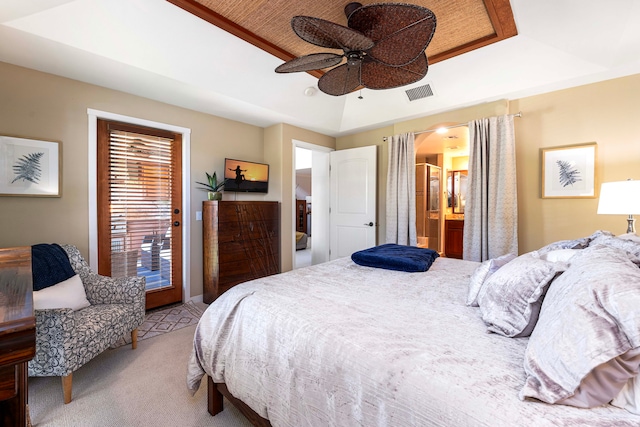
[(396, 257), (49, 265)]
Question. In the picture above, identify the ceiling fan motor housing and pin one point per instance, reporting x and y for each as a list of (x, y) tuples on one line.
[(354, 58)]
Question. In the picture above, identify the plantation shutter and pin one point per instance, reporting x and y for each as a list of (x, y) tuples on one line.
[(138, 191)]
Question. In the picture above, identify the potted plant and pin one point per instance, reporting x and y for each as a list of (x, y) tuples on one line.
[(212, 187)]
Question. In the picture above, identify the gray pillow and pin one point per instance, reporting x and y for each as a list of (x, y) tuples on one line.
[(510, 299), (589, 317), (482, 273), (629, 245), (581, 243)]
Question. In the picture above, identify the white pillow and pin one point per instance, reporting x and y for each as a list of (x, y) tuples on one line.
[(67, 294), (560, 255)]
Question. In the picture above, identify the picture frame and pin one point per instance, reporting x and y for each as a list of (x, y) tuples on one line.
[(569, 171), (29, 167)]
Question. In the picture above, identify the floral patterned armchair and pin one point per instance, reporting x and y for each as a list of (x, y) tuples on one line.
[(67, 339)]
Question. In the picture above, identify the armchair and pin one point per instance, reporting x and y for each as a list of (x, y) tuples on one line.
[(67, 339)]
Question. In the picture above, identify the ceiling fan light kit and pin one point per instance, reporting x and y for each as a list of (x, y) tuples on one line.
[(383, 45)]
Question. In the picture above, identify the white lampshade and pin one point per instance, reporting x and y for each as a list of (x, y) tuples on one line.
[(621, 198)]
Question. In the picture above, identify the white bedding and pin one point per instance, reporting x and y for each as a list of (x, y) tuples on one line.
[(339, 344)]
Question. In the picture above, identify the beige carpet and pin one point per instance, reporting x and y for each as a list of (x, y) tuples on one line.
[(124, 387)]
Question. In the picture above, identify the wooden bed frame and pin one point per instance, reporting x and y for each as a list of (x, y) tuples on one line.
[(216, 392)]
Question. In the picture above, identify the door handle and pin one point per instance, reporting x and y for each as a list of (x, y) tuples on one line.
[(370, 224)]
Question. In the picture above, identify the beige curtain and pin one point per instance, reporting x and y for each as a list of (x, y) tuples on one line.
[(401, 191), (491, 212)]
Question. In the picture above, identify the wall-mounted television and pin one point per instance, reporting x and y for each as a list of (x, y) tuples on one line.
[(246, 177)]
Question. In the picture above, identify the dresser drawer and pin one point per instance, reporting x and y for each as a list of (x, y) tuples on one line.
[(246, 250), (242, 271), (239, 232), (248, 212)]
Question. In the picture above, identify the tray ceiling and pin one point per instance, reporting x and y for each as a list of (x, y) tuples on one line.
[(462, 26)]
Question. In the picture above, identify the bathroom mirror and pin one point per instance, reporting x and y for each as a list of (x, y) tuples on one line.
[(457, 190)]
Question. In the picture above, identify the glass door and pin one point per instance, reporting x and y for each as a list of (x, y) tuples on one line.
[(139, 215)]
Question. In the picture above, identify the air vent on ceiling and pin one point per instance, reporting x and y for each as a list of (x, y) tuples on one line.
[(419, 92)]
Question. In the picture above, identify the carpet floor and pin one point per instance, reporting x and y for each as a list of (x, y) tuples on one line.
[(124, 387), (165, 319)]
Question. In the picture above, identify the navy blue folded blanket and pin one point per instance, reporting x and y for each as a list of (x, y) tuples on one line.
[(396, 257), (49, 265)]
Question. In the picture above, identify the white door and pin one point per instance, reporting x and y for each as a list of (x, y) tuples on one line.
[(353, 200)]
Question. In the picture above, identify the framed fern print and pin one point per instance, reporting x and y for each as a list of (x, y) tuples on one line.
[(29, 167), (569, 171)]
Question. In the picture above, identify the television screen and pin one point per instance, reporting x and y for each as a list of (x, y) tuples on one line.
[(249, 177)]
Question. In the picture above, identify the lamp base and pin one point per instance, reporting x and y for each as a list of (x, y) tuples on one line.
[(631, 225)]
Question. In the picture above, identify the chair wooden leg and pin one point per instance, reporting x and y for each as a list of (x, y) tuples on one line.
[(134, 339), (66, 387)]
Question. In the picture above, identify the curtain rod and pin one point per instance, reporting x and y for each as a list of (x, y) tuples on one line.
[(518, 114)]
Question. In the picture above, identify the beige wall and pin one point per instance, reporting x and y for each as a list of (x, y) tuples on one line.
[(606, 113), (43, 106)]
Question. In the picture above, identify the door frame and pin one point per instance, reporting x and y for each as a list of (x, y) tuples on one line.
[(320, 202), (93, 116)]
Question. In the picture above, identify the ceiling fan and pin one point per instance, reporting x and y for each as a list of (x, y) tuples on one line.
[(383, 45)]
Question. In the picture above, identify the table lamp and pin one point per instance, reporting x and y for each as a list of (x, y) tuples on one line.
[(621, 198)]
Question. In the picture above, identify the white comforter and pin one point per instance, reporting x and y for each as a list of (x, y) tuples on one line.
[(338, 344)]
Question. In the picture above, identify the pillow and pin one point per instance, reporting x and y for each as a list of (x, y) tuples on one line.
[(67, 294), (629, 246), (629, 396), (630, 236), (581, 243), (564, 244), (560, 255), (482, 273), (589, 317), (605, 380), (510, 299)]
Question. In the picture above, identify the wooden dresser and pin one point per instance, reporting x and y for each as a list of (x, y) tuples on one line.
[(241, 241), (17, 333)]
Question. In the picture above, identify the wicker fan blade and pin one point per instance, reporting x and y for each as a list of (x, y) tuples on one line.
[(315, 61), (340, 80), (376, 75), (327, 34), (400, 31)]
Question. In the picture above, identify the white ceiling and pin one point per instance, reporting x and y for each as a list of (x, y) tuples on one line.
[(154, 49)]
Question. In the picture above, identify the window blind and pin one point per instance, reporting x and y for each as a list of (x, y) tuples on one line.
[(139, 186)]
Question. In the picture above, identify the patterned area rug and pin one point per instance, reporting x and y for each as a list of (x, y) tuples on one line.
[(165, 319)]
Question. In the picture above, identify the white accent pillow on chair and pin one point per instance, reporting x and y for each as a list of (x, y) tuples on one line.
[(67, 294)]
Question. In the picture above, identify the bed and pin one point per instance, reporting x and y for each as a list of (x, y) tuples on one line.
[(343, 344)]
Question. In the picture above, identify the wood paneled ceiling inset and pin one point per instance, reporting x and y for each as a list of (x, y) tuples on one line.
[(462, 26)]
